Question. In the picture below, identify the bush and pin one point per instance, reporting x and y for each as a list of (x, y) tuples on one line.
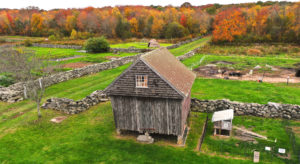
[(52, 37), (74, 34), (27, 43), (6, 80), (97, 45)]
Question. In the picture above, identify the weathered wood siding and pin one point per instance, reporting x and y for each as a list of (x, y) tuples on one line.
[(186, 103), (140, 113), (157, 87)]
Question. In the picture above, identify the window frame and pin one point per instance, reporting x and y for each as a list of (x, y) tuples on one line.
[(136, 81)]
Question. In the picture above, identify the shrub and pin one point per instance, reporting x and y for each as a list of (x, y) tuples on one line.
[(52, 37), (254, 52), (74, 34), (6, 80), (27, 43), (97, 45)]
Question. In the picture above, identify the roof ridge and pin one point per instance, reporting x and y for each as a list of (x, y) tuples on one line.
[(153, 51)]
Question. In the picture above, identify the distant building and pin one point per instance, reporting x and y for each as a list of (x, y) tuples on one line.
[(153, 95), (153, 43), (223, 122)]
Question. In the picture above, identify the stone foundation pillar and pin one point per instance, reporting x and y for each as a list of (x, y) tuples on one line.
[(179, 140)]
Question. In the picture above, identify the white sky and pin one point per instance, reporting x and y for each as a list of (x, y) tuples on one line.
[(50, 4)]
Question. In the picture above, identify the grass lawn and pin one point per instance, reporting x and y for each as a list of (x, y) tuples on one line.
[(246, 91), (56, 53), (272, 128), (240, 62), (277, 50), (89, 136), (138, 45), (189, 46)]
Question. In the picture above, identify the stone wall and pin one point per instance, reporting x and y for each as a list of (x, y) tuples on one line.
[(57, 46), (270, 110), (114, 50), (15, 92), (184, 42), (70, 106), (126, 50)]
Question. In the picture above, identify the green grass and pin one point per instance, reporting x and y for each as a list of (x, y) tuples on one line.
[(138, 45), (89, 136), (240, 62), (195, 122), (189, 46), (272, 128), (277, 50), (56, 53), (246, 91), (86, 137)]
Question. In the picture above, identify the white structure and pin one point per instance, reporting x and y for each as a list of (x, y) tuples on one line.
[(223, 122)]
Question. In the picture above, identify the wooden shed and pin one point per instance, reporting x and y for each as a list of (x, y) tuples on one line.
[(153, 43), (153, 95), (223, 122)]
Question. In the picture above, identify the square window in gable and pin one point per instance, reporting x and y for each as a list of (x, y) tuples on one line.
[(141, 81)]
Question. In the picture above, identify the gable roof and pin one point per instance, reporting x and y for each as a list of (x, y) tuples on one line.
[(169, 68), (222, 115)]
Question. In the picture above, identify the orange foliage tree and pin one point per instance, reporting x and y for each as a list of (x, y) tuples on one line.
[(228, 24)]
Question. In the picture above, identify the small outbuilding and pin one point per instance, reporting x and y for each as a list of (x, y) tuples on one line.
[(153, 43), (223, 122), (153, 95)]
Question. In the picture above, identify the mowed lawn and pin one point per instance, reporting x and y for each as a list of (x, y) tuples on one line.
[(240, 62), (89, 137), (189, 46), (57, 53)]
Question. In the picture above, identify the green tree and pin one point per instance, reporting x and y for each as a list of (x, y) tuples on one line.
[(175, 30), (95, 45), (123, 29)]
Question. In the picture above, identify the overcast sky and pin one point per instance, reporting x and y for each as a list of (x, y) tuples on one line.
[(51, 4)]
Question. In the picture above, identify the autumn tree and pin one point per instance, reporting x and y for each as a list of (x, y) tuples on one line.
[(229, 24)]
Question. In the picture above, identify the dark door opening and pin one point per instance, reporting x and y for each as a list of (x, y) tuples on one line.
[(297, 73)]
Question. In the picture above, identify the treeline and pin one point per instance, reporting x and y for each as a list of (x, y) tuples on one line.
[(279, 22), (122, 22), (248, 22)]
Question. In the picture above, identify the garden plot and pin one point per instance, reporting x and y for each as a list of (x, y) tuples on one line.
[(277, 75), (268, 69)]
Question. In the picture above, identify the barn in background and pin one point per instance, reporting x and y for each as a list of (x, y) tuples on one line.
[(153, 95)]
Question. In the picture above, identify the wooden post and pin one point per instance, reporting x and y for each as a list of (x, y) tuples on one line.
[(256, 157), (287, 80)]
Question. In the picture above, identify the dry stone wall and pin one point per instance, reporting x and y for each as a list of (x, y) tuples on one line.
[(15, 92), (70, 106), (270, 110), (126, 50), (114, 50)]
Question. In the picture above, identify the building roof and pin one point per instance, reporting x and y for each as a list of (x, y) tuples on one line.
[(169, 68), (222, 115)]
